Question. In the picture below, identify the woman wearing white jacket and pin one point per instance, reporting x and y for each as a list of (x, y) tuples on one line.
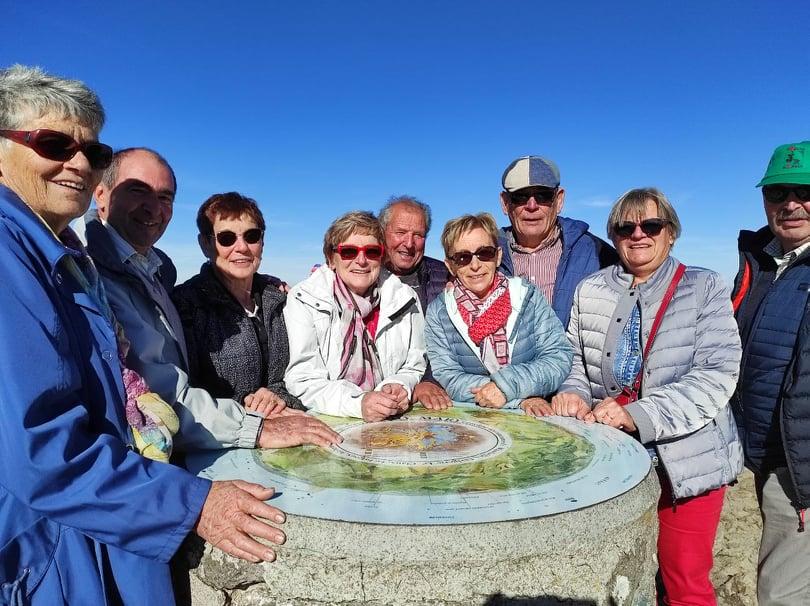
[(356, 333), (668, 386)]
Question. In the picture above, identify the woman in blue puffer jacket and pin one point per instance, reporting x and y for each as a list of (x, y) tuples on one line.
[(492, 340)]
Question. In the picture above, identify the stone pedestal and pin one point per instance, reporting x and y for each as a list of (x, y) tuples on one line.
[(599, 555)]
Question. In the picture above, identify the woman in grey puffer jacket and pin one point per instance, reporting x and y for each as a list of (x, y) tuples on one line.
[(680, 409)]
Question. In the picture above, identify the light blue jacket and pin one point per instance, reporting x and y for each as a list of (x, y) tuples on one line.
[(539, 353), (83, 519)]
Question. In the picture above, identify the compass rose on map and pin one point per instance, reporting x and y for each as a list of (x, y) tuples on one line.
[(421, 440)]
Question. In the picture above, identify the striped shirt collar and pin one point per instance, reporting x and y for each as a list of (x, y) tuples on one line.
[(782, 259), (551, 240)]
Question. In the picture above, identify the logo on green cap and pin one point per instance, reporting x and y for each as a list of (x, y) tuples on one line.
[(794, 157), (788, 165)]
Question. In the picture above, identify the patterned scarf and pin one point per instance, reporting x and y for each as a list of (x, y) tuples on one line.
[(152, 420), (486, 319), (359, 361)]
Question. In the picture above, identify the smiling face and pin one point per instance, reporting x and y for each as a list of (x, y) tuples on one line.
[(478, 275), (358, 274), (139, 203), (789, 221), (405, 238), (641, 254), (533, 222), (240, 261), (57, 191)]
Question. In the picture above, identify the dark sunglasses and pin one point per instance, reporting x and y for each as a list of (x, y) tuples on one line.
[(650, 227), (541, 196), (228, 238), (347, 252), (776, 194), (465, 257), (53, 145)]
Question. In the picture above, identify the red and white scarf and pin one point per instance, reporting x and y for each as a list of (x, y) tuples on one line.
[(486, 318), (359, 361)]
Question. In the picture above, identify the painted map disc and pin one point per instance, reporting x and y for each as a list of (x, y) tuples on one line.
[(461, 465)]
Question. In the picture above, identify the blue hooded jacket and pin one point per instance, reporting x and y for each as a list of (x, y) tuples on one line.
[(583, 254), (83, 518)]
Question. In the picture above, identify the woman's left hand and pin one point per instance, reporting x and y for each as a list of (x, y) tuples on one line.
[(610, 412), (489, 396), (264, 402)]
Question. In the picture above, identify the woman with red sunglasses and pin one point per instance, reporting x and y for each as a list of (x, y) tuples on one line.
[(355, 330), (657, 355), (492, 340)]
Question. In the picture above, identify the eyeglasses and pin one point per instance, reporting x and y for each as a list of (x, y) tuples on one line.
[(776, 194), (53, 145), (347, 252), (541, 196), (228, 238), (650, 227), (465, 257)]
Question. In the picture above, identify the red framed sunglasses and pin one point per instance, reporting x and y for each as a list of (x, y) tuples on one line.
[(60, 147), (347, 252)]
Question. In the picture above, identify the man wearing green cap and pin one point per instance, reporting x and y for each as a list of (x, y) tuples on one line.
[(772, 403)]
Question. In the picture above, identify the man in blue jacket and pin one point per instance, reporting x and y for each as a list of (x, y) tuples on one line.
[(84, 519), (772, 403), (554, 253)]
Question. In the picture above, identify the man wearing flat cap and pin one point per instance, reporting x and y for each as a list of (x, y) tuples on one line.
[(772, 402), (552, 252)]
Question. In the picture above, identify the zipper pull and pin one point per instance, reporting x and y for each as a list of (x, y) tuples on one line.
[(801, 520)]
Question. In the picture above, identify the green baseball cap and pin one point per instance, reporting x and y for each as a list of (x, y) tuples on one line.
[(790, 163)]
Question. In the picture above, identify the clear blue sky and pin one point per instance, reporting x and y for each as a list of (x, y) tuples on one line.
[(316, 108)]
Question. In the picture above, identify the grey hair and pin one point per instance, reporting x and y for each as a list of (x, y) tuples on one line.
[(406, 200), (633, 204), (111, 173), (28, 93)]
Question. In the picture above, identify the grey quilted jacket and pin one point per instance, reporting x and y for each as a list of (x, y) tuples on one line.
[(689, 374)]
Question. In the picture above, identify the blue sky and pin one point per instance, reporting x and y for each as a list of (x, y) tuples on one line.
[(316, 108)]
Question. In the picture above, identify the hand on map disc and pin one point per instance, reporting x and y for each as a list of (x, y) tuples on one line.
[(489, 396), (610, 412), (400, 393), (234, 513), (571, 405), (378, 406), (431, 396), (264, 402), (536, 407), (283, 430)]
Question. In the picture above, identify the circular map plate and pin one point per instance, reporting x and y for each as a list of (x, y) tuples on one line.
[(457, 466)]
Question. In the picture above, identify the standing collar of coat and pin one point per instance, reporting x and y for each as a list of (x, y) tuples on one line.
[(51, 248), (654, 288), (216, 292), (318, 287)]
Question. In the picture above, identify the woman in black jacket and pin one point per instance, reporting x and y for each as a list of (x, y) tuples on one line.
[(231, 315)]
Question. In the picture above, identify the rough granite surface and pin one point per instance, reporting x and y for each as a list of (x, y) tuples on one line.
[(243, 584)]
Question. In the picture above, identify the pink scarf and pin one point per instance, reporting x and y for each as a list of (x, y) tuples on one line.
[(486, 319), (359, 361)]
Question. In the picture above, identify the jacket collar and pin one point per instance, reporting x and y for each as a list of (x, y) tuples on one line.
[(215, 291), (317, 291), (654, 288), (37, 230)]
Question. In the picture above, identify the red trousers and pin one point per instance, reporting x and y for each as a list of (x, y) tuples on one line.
[(685, 546)]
